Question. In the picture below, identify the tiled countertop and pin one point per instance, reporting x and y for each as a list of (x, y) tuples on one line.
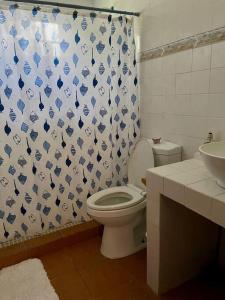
[(181, 199), (190, 184)]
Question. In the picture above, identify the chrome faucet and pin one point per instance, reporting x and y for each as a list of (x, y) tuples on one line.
[(209, 138)]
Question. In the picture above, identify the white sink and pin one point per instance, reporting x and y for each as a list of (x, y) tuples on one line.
[(213, 155)]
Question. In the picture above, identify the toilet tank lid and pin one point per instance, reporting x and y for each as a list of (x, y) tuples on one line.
[(166, 148)]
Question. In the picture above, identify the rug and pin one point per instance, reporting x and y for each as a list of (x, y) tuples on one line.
[(26, 281)]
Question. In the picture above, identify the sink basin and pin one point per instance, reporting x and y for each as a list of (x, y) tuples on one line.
[(213, 155)]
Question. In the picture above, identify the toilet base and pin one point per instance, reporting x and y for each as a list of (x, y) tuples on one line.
[(121, 241)]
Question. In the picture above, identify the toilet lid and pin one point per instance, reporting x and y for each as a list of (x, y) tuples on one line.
[(141, 159), (115, 198)]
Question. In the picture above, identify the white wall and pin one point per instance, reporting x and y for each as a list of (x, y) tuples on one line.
[(183, 94), (165, 21)]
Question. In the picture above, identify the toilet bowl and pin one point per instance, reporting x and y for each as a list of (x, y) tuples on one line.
[(122, 209)]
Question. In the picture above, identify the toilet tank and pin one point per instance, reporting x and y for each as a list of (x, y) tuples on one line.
[(166, 153)]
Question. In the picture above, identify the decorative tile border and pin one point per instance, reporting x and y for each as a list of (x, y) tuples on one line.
[(195, 41)]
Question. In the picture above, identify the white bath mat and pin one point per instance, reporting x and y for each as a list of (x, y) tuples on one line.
[(26, 281)]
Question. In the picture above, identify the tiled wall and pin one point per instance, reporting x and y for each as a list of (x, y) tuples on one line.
[(183, 94)]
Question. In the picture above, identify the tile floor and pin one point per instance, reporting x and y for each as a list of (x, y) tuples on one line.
[(80, 272)]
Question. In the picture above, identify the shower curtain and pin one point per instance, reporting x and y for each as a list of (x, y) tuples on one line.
[(69, 113)]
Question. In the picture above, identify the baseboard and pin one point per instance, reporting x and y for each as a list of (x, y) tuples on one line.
[(53, 241)]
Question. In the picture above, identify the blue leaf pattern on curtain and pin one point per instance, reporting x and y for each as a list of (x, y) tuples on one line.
[(69, 114)]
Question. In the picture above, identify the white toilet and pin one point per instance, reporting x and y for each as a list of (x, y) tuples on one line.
[(122, 209)]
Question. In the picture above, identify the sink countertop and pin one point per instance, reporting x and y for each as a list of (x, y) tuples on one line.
[(190, 184)]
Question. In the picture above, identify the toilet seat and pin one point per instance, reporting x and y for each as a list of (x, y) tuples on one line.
[(115, 198)]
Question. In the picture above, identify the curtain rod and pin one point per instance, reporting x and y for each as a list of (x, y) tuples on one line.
[(74, 6)]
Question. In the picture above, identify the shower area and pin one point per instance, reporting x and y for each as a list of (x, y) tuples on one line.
[(69, 113)]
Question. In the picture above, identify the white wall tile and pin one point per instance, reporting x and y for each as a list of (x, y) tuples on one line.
[(154, 67), (190, 144), (200, 18), (169, 84), (156, 85), (152, 125), (192, 126), (152, 37), (157, 104), (199, 105), (183, 61), (216, 105), (200, 82), (218, 8), (145, 127), (183, 83), (216, 125), (201, 58), (182, 105), (170, 104), (218, 55), (217, 80), (168, 64), (169, 125)]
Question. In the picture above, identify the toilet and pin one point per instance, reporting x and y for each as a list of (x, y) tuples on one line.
[(122, 209)]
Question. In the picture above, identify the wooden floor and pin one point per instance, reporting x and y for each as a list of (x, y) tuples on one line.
[(80, 272)]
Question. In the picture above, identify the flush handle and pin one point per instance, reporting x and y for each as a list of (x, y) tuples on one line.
[(143, 180)]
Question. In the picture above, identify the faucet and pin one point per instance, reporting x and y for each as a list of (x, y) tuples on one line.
[(209, 138)]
